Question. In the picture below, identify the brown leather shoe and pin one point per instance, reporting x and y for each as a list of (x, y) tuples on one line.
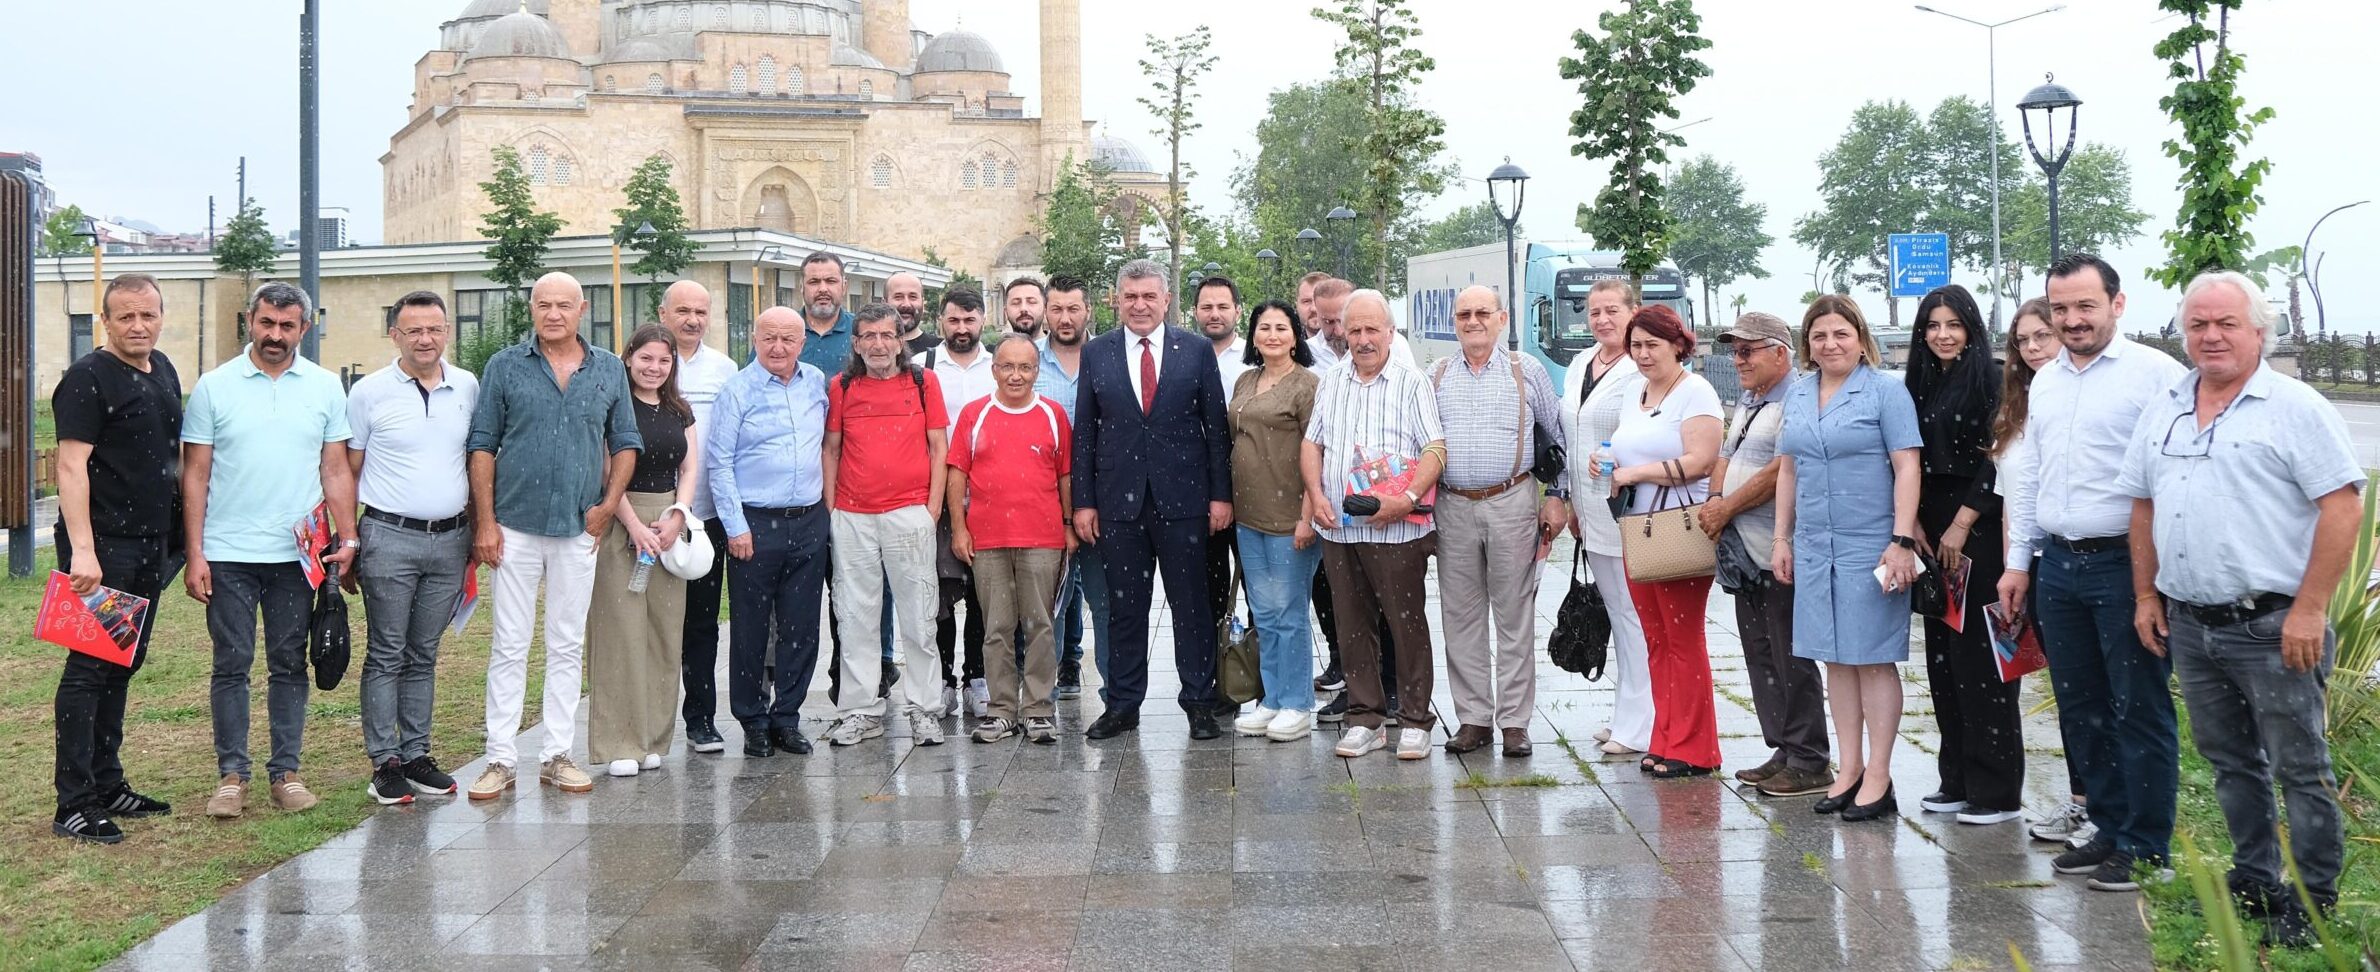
[(1516, 742), (1468, 738), (1761, 773)]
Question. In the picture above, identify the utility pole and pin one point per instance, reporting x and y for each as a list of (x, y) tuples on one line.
[(309, 170)]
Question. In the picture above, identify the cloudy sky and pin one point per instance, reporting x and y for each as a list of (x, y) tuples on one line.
[(143, 107)]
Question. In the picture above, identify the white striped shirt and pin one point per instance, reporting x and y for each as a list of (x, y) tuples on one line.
[(1393, 415)]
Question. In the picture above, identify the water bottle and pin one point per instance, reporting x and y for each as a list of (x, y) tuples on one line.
[(642, 575), (1604, 466)]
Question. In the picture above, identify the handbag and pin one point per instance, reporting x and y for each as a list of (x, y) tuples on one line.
[(1581, 642), (691, 557), (1667, 544), (1928, 595), (1239, 667), (327, 645), (1737, 571)]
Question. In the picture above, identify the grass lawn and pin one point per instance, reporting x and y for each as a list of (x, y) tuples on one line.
[(76, 906), (2179, 932)]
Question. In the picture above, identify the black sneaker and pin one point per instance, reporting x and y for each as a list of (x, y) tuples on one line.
[(2289, 926), (1331, 680), (422, 771), (2085, 859), (1336, 711), (2115, 874), (389, 786), (1070, 680), (129, 804), (703, 737), (89, 824), (887, 678), (1388, 716)]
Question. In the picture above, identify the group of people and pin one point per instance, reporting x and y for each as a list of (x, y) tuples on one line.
[(1297, 452)]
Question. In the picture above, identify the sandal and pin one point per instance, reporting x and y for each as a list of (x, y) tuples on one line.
[(1648, 764), (1674, 769)]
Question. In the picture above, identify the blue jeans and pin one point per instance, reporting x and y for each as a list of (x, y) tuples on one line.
[(2115, 703), (1070, 615), (2259, 723), (1091, 570), (278, 591), (1280, 581)]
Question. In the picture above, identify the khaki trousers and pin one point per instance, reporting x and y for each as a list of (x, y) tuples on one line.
[(1015, 586), (633, 642), (1487, 577)]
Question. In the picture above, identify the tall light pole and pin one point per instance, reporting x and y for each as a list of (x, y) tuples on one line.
[(1309, 241), (1515, 183), (2314, 283), (2046, 98), (1991, 33), (1342, 222), (310, 169)]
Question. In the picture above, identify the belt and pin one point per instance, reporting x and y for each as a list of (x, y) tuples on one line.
[(1488, 493), (2092, 545), (454, 522), (2237, 612), (784, 512)]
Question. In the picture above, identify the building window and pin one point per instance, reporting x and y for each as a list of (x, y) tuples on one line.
[(611, 83), (768, 74), (867, 88), (880, 172), (78, 341), (719, 17), (1008, 174), (793, 80), (739, 323), (967, 174), (562, 171), (685, 18), (538, 163), (653, 84), (736, 80), (596, 327)]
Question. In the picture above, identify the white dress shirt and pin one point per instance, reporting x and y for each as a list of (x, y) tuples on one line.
[(699, 380), (2078, 426), (1133, 343), (960, 383), (1231, 361)]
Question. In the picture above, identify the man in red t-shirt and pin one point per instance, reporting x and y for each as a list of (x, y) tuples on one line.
[(1012, 450), (885, 444)]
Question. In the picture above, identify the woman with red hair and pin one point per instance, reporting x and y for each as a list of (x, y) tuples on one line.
[(1663, 453)]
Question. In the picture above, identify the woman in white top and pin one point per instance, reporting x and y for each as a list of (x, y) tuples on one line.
[(1664, 450), (1595, 388)]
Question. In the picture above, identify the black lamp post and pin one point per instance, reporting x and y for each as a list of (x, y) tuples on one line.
[(1308, 241), (2313, 280), (1271, 262), (2047, 98), (1342, 222), (1515, 184)]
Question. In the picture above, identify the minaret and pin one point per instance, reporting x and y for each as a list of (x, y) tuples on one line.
[(884, 32), (1061, 87)]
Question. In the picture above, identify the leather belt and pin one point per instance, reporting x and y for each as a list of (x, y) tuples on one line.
[(449, 524), (2092, 545), (784, 512), (2237, 612), (1488, 493)]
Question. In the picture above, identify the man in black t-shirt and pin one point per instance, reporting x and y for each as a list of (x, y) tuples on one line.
[(119, 415)]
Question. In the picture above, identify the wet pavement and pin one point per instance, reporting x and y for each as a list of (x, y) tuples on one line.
[(1153, 851)]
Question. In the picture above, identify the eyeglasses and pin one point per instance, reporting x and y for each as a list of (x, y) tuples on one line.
[(1743, 350), (2202, 441)]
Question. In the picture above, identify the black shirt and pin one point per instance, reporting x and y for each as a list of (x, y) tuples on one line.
[(133, 421), (924, 341), (665, 448)]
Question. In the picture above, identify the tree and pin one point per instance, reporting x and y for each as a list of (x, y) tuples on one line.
[(519, 234), (58, 237), (1873, 183), (1737, 302), (2095, 211), (1718, 237), (2219, 192), (1082, 233), (1401, 141), (1173, 68), (246, 248), (1959, 142), (1303, 166), (668, 251), (1632, 77), (1473, 225)]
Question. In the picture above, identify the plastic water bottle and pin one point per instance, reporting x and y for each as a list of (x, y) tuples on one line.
[(1605, 464), (642, 575)]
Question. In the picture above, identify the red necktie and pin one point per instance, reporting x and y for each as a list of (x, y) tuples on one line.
[(1148, 377)]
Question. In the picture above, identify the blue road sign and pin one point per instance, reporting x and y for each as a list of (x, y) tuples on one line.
[(1920, 263)]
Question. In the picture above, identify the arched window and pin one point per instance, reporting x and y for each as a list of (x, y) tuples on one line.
[(967, 174), (793, 80), (867, 88), (768, 74), (880, 172), (685, 18), (653, 84), (537, 160), (719, 17), (736, 80), (991, 170), (611, 83), (562, 170), (1008, 174)]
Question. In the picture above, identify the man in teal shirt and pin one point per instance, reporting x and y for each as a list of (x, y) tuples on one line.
[(252, 426), (828, 345)]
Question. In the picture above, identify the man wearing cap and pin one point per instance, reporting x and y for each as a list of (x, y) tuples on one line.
[(1741, 515)]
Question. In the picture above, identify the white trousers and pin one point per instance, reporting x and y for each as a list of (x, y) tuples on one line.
[(1632, 708), (565, 568), (869, 549)]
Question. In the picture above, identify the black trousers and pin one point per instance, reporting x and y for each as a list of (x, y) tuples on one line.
[(1982, 758), (1787, 696), (958, 663), (89, 707), (776, 592), (1221, 548), (701, 642)]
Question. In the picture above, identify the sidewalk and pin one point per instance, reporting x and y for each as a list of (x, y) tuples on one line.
[(1152, 851)]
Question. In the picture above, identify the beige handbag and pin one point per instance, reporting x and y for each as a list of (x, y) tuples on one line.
[(1667, 544)]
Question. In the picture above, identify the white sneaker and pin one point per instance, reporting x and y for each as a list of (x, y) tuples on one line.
[(623, 767), (1254, 723), (2062, 825), (950, 698), (979, 698), (1413, 743), (850, 729), (1358, 740), (2083, 836), (925, 728), (1986, 817), (652, 761), (1291, 724)]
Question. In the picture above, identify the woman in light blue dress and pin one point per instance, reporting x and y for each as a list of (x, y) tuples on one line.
[(1847, 507)]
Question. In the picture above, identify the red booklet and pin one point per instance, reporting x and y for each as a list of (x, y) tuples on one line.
[(313, 537), (104, 624), (1385, 475), (2016, 645), (1954, 583)]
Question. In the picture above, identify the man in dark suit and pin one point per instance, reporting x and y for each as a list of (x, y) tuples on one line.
[(1152, 478)]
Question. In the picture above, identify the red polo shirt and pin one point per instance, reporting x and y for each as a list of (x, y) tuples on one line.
[(1013, 460), (883, 422)]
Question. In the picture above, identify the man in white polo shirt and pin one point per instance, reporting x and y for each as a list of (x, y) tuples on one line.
[(410, 421), (702, 371)]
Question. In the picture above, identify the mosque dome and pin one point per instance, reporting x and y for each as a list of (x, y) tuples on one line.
[(491, 9), (848, 56), (640, 49), (520, 34), (1119, 155), (959, 50)]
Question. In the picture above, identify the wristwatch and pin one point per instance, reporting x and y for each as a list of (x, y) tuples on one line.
[(1410, 498), (1905, 543), (349, 543)]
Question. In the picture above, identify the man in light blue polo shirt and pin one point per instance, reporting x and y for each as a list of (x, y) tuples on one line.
[(265, 438), (1066, 316)]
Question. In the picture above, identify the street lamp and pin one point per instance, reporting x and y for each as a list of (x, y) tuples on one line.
[(2314, 281), (1992, 100), (1308, 240), (1515, 184), (89, 229), (2046, 98), (1342, 222)]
